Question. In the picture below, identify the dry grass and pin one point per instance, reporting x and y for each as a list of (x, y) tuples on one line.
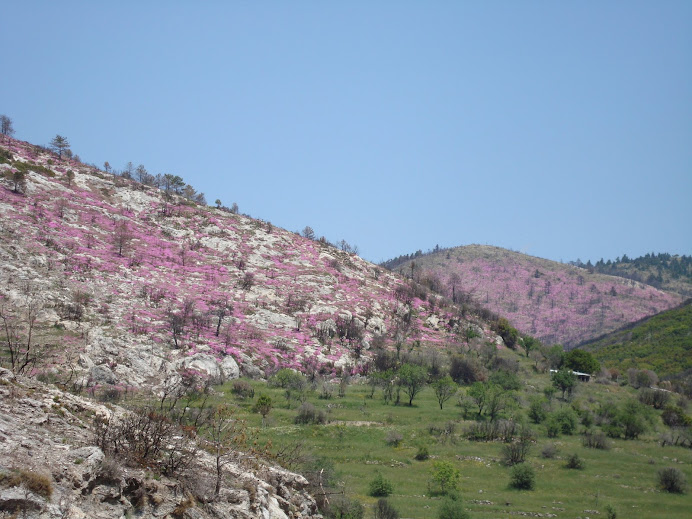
[(36, 482)]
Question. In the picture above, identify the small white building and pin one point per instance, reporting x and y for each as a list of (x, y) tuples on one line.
[(583, 377)]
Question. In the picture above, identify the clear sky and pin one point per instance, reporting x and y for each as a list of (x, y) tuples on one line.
[(559, 129)]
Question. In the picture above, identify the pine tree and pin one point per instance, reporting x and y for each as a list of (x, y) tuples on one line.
[(60, 145)]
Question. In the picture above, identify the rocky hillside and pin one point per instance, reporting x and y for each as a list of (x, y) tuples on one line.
[(52, 468), (113, 282), (554, 302)]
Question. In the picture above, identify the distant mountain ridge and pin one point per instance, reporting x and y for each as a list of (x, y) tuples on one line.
[(664, 271), (555, 302)]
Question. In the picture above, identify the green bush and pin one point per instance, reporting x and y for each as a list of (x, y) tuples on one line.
[(563, 421), (522, 477), (452, 508), (674, 416), (574, 462), (380, 487), (537, 413), (610, 512), (552, 427), (423, 453), (506, 380)]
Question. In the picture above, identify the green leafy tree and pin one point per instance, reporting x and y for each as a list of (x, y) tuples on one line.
[(444, 388), (580, 360), (18, 177), (413, 379), (445, 476), (60, 145), (509, 334), (564, 380), (497, 400), (263, 406), (529, 344), (290, 381), (478, 392), (633, 417)]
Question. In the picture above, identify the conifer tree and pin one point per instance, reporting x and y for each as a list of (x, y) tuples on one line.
[(60, 145)]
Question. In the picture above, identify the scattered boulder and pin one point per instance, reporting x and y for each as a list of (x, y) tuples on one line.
[(229, 368), (102, 375)]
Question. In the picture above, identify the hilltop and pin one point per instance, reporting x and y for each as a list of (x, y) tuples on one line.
[(668, 272), (554, 302), (120, 283), (662, 343)]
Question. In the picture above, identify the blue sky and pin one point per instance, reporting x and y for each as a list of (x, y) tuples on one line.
[(559, 129)]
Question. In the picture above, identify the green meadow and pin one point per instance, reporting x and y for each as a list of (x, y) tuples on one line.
[(357, 442)]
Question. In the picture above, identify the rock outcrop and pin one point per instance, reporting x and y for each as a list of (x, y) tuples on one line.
[(50, 468)]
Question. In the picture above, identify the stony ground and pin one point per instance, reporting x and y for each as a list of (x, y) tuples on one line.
[(51, 468)]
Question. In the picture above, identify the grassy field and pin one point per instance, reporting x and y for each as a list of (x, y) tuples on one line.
[(354, 440)]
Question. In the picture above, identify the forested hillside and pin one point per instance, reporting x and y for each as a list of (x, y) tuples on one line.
[(668, 272), (662, 343)]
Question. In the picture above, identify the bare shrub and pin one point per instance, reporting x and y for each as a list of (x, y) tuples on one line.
[(393, 438), (145, 438), (595, 440), (672, 480), (183, 506), (308, 414), (657, 398), (242, 389), (467, 371), (110, 470), (110, 394), (549, 451), (383, 510), (515, 452), (482, 431)]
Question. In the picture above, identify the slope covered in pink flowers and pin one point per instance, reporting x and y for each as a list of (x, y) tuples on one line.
[(135, 282), (554, 302)]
